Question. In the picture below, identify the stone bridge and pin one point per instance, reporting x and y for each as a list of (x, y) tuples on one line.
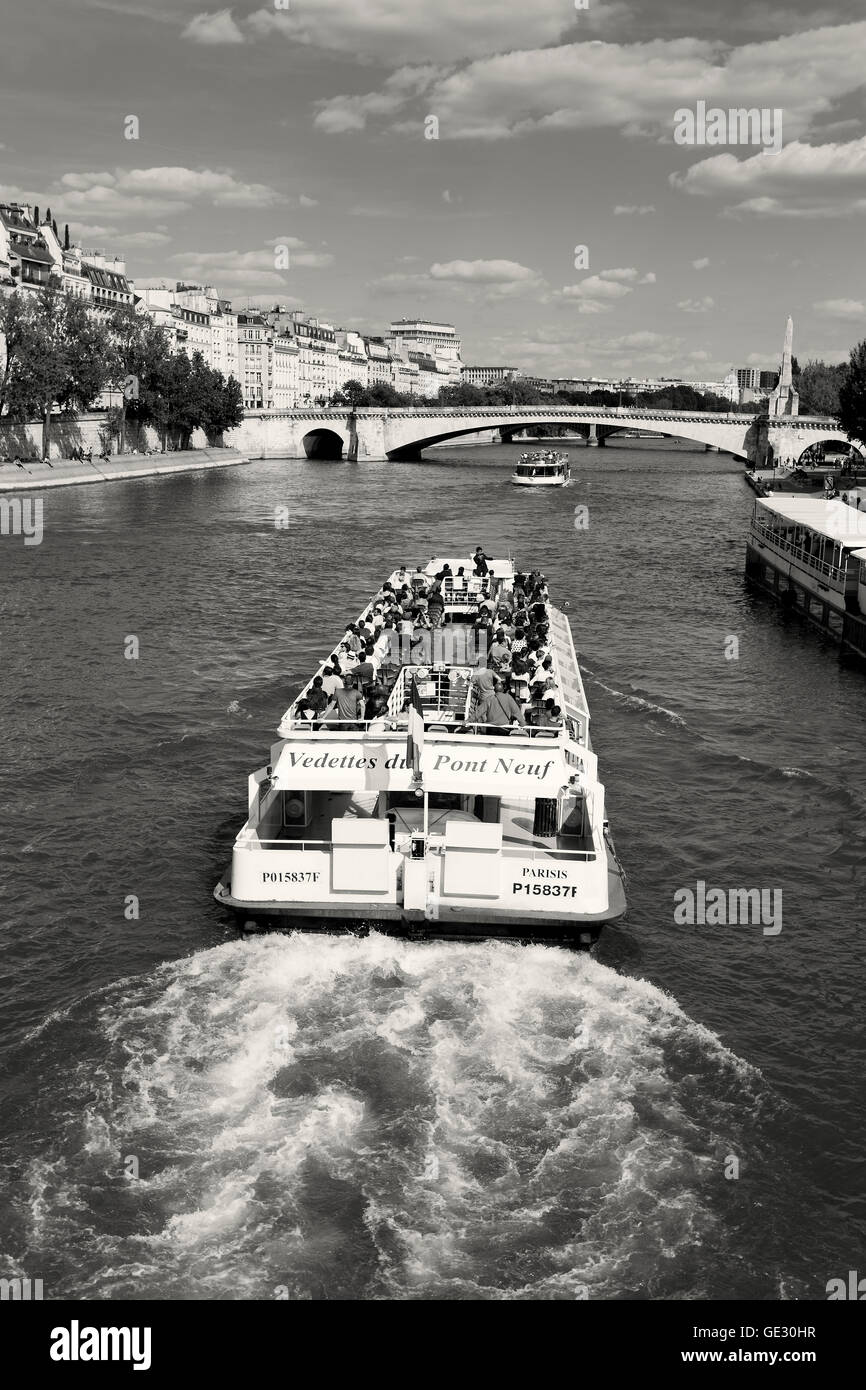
[(404, 433)]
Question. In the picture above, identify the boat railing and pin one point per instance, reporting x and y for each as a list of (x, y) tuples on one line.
[(256, 843), (434, 727), (798, 552)]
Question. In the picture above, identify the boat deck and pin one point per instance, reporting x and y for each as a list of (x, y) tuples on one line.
[(516, 819)]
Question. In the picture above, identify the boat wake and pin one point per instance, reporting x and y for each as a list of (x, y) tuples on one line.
[(371, 1118), (637, 702)]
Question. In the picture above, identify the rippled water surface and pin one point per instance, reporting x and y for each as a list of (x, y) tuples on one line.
[(342, 1117)]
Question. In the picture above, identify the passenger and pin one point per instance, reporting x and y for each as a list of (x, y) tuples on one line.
[(348, 706), (549, 716), (497, 651), (331, 681), (315, 702), (479, 559), (351, 638), (364, 672), (422, 646), (435, 606), (377, 699), (499, 708), (376, 715)]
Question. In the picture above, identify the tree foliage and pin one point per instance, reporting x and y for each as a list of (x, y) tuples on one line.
[(819, 386), (852, 395)]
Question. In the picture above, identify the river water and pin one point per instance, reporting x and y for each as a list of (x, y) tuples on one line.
[(368, 1118)]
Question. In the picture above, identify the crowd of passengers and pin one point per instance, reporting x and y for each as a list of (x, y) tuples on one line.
[(513, 683)]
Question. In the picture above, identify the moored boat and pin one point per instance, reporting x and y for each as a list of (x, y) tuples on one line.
[(543, 468), (811, 553), (458, 795)]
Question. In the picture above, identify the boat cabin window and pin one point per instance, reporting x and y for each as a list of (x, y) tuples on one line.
[(436, 801)]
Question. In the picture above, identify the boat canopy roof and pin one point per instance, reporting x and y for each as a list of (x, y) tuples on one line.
[(500, 569), (828, 517)]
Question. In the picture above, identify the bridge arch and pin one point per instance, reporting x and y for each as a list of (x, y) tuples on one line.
[(323, 444), (703, 431), (829, 449)]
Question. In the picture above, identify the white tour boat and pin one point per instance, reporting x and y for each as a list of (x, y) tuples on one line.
[(811, 553), (425, 819), (542, 469)]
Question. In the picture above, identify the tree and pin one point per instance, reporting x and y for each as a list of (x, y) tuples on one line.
[(66, 236), (852, 395), (64, 358), (137, 348), (15, 330), (818, 385), (353, 394)]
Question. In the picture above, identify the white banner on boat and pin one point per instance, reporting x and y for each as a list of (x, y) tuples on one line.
[(457, 767)]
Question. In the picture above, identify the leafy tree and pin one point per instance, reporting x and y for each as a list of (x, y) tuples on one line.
[(138, 346), (819, 385), (852, 395), (353, 394), (64, 358), (15, 331)]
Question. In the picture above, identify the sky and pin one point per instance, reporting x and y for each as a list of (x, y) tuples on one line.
[(448, 158)]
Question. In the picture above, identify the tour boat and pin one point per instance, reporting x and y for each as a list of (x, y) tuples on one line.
[(811, 552), (542, 469), (424, 820)]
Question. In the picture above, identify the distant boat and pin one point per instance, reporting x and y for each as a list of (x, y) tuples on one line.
[(542, 469)]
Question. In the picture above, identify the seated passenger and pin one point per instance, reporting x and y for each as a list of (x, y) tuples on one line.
[(497, 652), (549, 716), (377, 716), (435, 606), (331, 681)]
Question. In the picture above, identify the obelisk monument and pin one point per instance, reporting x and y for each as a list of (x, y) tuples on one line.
[(784, 400)]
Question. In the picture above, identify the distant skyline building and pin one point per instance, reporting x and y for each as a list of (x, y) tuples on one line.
[(489, 376)]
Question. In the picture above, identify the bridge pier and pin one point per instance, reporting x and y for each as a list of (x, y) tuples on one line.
[(592, 439)]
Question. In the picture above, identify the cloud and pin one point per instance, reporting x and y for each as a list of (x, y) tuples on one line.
[(633, 209), (597, 294), (387, 32), (486, 272), (306, 202), (697, 306), (840, 309), (243, 271), (487, 280), (147, 193), (802, 180), (701, 263), (634, 87), (217, 28), (340, 114)]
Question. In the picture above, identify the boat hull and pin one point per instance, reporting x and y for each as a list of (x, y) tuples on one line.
[(538, 482), (451, 923)]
